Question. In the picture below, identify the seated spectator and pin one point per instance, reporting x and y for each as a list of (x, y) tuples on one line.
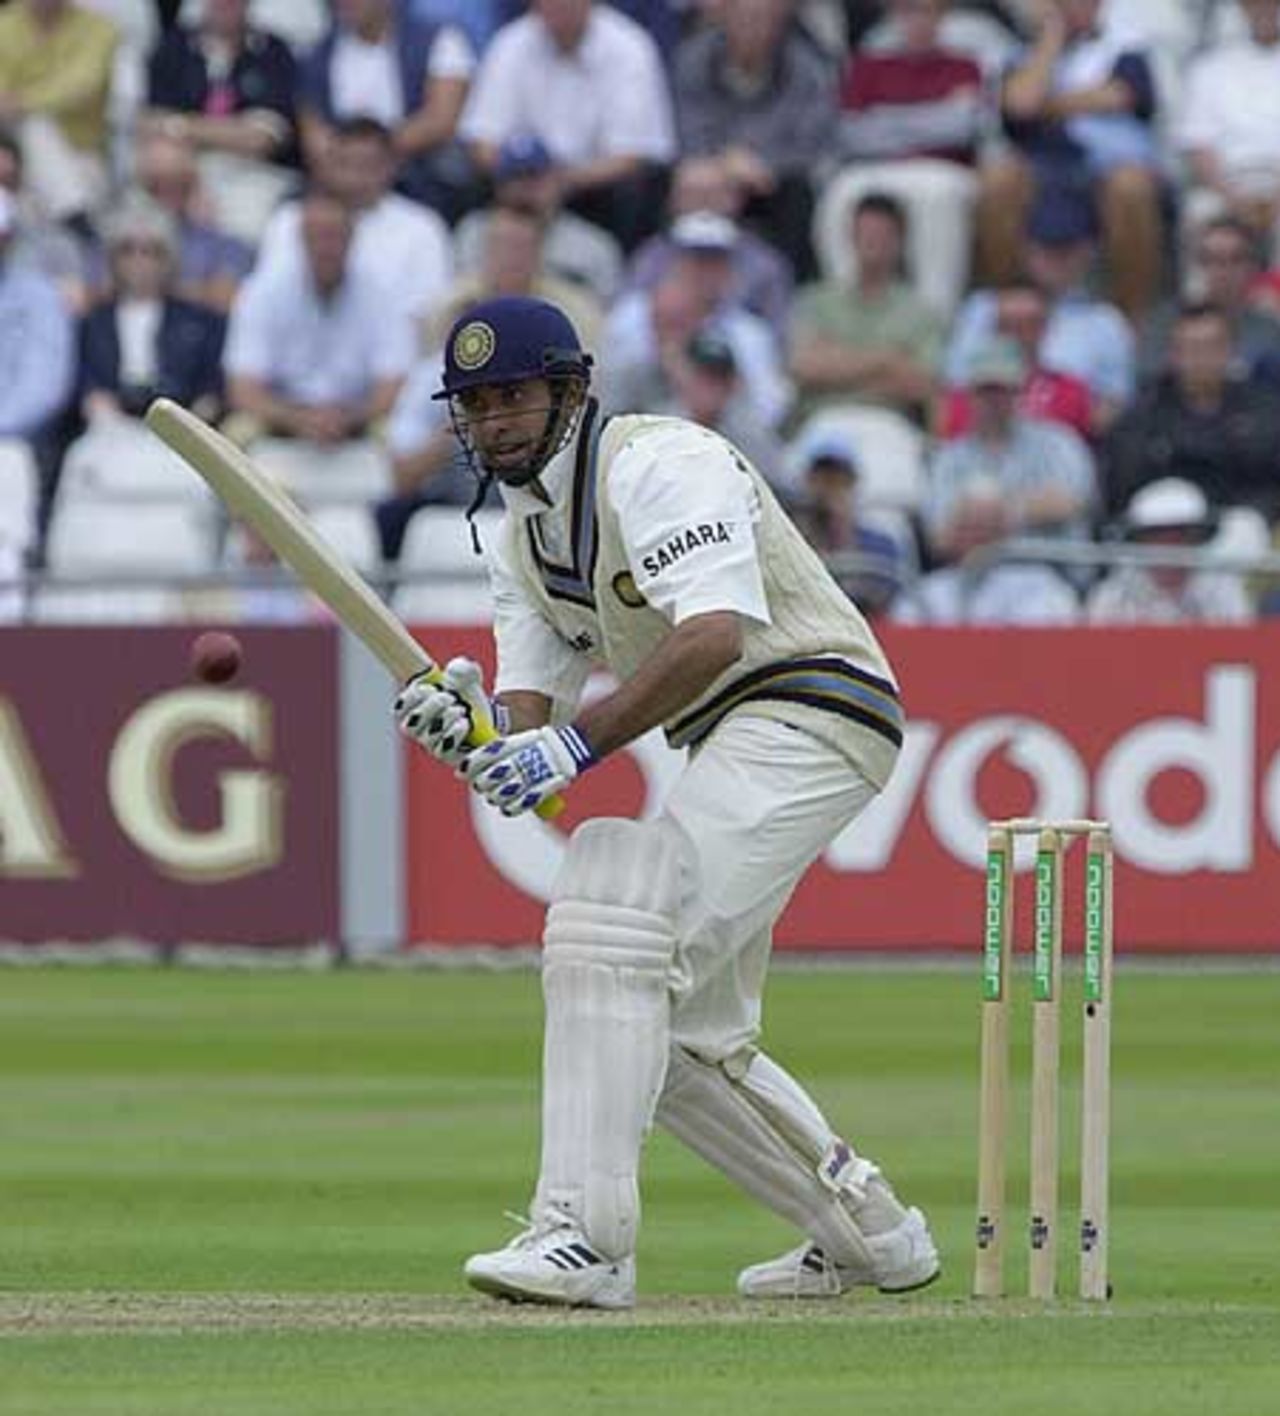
[(1085, 336), (1200, 423), (762, 277), (411, 77), (526, 175), (317, 354), (56, 61), (645, 328), (752, 92), (587, 81), (1079, 106), (1228, 128), (1044, 472), (145, 342), (872, 341), (211, 262), (37, 240), (227, 87), (1225, 269), (979, 588), (1169, 512), (912, 115), (868, 564), (707, 388), (37, 354), (397, 240), (1022, 315), (513, 264)]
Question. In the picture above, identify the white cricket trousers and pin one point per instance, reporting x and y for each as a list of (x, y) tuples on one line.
[(754, 809)]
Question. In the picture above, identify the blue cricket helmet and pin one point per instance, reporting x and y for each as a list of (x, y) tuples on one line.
[(508, 339)]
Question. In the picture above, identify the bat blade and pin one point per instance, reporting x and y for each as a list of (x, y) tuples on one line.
[(254, 498)]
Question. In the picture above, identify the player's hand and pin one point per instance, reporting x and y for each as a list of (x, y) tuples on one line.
[(442, 716), (518, 773)]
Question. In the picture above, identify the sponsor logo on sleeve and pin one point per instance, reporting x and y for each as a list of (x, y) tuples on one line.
[(691, 538)]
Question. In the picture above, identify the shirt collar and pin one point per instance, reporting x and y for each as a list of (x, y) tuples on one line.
[(556, 479)]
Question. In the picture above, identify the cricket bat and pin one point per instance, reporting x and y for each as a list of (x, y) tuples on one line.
[(254, 498)]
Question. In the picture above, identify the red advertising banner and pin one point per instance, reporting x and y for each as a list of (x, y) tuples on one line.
[(137, 803), (1173, 735)]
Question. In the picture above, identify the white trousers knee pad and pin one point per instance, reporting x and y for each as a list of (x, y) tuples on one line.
[(608, 946), (756, 1124)]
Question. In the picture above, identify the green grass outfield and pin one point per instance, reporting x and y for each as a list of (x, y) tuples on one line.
[(242, 1193)]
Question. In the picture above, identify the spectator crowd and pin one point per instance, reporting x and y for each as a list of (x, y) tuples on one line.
[(950, 274)]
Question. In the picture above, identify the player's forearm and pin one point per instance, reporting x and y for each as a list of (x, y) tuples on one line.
[(683, 667)]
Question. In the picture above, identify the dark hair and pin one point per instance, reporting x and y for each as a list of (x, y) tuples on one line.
[(1233, 226), (361, 125), (882, 204)]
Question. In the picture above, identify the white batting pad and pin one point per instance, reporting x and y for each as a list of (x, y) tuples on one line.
[(757, 1125), (608, 945)]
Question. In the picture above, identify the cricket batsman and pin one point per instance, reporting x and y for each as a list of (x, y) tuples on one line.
[(649, 547)]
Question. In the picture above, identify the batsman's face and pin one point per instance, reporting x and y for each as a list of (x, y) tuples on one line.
[(506, 423)]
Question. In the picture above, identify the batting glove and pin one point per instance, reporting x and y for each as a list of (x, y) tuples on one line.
[(518, 773), (441, 716)]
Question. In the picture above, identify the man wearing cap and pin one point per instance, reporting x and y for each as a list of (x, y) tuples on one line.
[(526, 175), (651, 548), (1174, 513), (1085, 337), (1044, 471)]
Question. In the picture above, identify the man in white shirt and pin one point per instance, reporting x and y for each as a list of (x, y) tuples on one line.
[(649, 547), (318, 353), (1229, 127), (589, 83), (396, 239)]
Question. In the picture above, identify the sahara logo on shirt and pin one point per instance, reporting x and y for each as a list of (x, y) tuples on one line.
[(706, 533)]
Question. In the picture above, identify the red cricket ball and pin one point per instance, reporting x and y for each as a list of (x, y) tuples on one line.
[(216, 656)]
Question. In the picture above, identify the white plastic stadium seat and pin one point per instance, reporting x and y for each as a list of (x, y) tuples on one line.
[(351, 472), (122, 460), (889, 449), (938, 198), (95, 539), (438, 541), (18, 488), (350, 530)]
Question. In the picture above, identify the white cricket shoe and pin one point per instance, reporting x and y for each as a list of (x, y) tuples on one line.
[(905, 1258), (556, 1266)]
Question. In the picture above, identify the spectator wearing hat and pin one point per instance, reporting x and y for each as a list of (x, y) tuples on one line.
[(226, 86), (1079, 105), (706, 388), (1022, 314), (37, 353), (698, 289), (867, 563), (56, 64), (1169, 512), (589, 82), (873, 340), (1201, 421), (145, 341), (526, 176), (1085, 337), (762, 275), (1225, 266), (411, 77), (754, 93), (398, 240), (1044, 471)]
